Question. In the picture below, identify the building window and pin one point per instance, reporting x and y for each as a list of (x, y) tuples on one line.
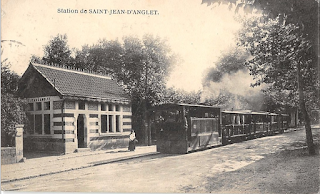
[(31, 122), (38, 106), (117, 107), (118, 123), (30, 106), (38, 124), (92, 106), (46, 123), (82, 105), (111, 123), (46, 105), (70, 105), (110, 107), (104, 123), (104, 107), (93, 115)]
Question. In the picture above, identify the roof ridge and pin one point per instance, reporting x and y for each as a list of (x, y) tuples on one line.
[(74, 70)]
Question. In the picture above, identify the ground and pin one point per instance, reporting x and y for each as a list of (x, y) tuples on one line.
[(274, 164)]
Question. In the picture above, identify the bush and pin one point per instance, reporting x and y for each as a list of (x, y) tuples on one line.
[(12, 113)]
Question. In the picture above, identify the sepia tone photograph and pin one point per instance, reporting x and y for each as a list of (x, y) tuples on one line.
[(140, 96)]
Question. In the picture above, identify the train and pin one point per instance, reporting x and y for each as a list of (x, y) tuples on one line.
[(181, 128)]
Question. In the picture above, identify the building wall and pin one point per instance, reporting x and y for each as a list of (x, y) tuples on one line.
[(61, 133)]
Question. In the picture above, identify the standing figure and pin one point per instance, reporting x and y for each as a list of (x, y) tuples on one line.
[(132, 141)]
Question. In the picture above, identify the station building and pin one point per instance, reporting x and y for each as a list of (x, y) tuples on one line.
[(70, 109)]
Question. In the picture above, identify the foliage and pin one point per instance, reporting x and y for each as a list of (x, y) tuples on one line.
[(12, 108), (36, 59), (9, 79), (173, 95), (145, 66), (276, 50), (57, 51), (282, 58), (143, 72), (104, 57)]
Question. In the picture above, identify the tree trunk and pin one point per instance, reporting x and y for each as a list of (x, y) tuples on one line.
[(145, 110), (306, 117), (145, 123)]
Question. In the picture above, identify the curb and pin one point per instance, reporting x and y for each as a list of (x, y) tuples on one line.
[(93, 164)]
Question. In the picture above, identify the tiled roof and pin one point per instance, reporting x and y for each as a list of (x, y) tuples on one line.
[(75, 83)]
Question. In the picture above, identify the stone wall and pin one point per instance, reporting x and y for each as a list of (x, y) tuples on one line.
[(8, 155), (44, 144), (11, 155)]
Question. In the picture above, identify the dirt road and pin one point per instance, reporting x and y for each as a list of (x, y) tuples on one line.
[(274, 164)]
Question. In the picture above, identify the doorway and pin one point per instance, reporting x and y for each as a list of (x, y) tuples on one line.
[(80, 131)]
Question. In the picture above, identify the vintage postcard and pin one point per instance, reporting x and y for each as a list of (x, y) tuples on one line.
[(142, 96)]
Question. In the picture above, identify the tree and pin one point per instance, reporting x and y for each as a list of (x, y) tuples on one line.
[(12, 108), (103, 57), (180, 96), (281, 58), (303, 15), (145, 66), (139, 65), (57, 51)]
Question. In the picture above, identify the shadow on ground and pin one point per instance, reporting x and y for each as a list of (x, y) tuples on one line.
[(292, 170), (33, 154)]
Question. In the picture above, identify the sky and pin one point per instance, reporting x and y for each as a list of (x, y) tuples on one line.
[(195, 32)]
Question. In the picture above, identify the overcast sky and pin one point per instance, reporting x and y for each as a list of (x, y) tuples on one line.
[(195, 32)]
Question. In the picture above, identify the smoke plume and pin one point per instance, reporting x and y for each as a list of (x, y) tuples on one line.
[(228, 84)]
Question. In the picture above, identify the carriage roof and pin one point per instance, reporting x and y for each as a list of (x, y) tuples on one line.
[(170, 105)]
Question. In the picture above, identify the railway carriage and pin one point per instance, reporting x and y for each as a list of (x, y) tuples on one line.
[(236, 126), (260, 123), (284, 120), (184, 127)]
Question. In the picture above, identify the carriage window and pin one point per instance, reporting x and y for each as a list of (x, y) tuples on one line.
[(227, 120), (168, 116), (233, 119), (237, 120)]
